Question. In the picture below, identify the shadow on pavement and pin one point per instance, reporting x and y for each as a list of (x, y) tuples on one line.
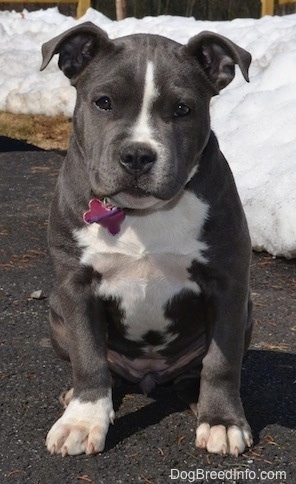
[(267, 393), (10, 144)]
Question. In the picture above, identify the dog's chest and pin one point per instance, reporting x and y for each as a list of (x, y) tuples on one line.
[(145, 265)]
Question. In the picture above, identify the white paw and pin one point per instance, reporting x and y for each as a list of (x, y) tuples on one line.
[(221, 440), (82, 428)]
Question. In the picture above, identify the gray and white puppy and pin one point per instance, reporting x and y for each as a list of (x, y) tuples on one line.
[(148, 236)]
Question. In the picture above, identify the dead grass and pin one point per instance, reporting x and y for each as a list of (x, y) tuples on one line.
[(39, 130)]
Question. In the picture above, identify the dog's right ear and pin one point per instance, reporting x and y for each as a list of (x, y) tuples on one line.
[(77, 46)]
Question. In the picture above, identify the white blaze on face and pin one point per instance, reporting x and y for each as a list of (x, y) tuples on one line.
[(142, 131)]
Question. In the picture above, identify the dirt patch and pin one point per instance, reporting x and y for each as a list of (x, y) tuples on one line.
[(49, 133)]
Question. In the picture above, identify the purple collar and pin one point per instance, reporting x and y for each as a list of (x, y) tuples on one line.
[(105, 214)]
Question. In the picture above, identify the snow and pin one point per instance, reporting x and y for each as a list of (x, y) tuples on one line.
[(255, 122)]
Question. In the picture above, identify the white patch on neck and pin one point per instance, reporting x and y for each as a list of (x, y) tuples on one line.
[(142, 130)]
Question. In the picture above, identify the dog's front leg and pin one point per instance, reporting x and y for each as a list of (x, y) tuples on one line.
[(222, 426), (79, 331)]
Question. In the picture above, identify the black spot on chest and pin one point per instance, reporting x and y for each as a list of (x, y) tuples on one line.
[(185, 307), (188, 315), (153, 338), (115, 317)]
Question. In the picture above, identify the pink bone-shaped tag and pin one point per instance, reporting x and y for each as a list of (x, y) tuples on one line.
[(104, 214)]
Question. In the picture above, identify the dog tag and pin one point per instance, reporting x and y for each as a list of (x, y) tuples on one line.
[(104, 214)]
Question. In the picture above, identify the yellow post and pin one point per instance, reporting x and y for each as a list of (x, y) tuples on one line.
[(267, 7), (82, 7)]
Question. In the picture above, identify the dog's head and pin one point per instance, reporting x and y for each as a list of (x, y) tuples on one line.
[(142, 112)]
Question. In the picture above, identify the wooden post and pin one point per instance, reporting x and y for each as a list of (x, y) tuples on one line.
[(120, 9), (82, 7), (267, 7)]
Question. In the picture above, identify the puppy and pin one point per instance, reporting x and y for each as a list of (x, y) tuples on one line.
[(148, 236)]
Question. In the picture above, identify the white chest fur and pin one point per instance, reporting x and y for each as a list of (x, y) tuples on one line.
[(146, 264)]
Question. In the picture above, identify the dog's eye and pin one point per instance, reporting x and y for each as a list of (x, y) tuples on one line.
[(181, 110), (104, 103)]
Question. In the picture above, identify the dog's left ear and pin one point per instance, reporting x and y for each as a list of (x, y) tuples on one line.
[(217, 56)]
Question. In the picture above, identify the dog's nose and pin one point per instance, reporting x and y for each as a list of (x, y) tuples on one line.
[(137, 159)]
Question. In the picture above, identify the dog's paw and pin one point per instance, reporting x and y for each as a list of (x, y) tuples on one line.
[(219, 439), (82, 428)]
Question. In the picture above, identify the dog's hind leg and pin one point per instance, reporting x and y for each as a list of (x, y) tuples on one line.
[(186, 387), (66, 397)]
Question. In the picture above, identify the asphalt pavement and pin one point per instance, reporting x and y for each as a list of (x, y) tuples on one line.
[(152, 440)]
